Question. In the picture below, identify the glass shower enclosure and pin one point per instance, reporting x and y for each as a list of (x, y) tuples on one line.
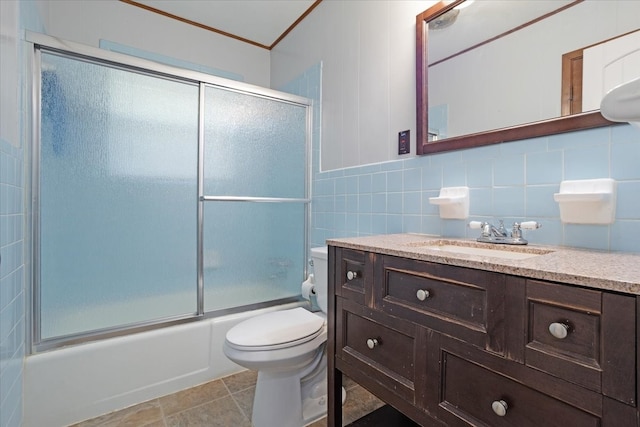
[(160, 195)]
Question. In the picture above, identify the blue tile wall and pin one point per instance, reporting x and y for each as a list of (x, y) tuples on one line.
[(513, 181), (12, 295), (12, 243)]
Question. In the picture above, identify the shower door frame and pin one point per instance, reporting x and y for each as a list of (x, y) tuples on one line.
[(38, 43)]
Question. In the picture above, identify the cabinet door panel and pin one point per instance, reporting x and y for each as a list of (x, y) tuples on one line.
[(382, 347), (619, 347), (461, 302), (353, 274), (441, 403), (471, 393), (597, 348), (582, 341)]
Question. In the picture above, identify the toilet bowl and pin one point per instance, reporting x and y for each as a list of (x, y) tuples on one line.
[(287, 348)]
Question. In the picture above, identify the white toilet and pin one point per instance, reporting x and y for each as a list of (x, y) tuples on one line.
[(287, 348)]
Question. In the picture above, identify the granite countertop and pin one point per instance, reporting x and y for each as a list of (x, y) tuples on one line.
[(616, 271)]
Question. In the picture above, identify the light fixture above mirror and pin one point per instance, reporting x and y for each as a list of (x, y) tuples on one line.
[(476, 57)]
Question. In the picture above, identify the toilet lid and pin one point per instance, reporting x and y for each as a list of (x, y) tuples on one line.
[(275, 328)]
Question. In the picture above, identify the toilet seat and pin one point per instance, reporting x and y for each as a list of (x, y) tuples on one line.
[(276, 330)]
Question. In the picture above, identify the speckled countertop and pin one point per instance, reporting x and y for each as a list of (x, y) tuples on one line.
[(602, 270)]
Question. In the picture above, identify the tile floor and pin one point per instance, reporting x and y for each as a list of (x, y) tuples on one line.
[(225, 402)]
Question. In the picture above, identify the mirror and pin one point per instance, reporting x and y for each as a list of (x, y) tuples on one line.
[(457, 57)]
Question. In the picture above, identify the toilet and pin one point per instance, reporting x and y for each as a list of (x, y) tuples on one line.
[(287, 348)]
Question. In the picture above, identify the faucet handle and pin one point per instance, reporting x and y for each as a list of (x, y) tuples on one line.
[(476, 224), (530, 225), (516, 231), (484, 226)]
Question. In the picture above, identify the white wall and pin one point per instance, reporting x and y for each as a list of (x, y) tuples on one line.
[(9, 81), (368, 85), (367, 49), (608, 65), (89, 21)]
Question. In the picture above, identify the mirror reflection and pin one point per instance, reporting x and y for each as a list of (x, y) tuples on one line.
[(499, 64)]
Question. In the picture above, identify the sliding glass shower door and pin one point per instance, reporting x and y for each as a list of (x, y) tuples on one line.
[(160, 196), (118, 190), (255, 188)]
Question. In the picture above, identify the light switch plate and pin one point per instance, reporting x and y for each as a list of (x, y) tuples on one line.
[(404, 142)]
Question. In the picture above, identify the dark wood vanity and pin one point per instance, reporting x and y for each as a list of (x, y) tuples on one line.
[(449, 345)]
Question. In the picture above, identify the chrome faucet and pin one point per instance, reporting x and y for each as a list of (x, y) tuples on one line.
[(492, 234), (489, 230)]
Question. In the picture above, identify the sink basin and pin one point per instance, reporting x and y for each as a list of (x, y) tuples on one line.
[(482, 249)]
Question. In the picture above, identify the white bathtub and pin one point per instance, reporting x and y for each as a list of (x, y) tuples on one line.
[(68, 385)]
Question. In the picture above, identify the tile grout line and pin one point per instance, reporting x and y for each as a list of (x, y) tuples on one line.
[(234, 396), (164, 416), (235, 401), (200, 405)]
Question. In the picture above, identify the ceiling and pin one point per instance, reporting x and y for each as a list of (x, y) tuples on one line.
[(265, 22), (259, 22)]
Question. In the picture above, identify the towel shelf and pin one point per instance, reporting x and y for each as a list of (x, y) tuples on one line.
[(445, 200), (453, 202), (588, 201)]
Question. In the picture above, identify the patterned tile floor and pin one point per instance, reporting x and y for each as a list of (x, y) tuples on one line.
[(226, 402)]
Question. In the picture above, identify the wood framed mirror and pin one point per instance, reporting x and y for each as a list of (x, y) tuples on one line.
[(439, 16)]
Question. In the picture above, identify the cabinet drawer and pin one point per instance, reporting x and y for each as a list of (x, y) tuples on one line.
[(461, 302), (385, 352), (470, 393), (572, 334), (353, 271)]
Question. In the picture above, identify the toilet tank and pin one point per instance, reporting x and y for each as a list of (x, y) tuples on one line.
[(320, 271)]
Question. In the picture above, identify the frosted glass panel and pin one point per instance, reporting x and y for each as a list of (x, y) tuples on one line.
[(253, 252), (117, 197), (253, 146)]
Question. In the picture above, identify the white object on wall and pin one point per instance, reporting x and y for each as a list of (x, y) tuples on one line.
[(588, 201), (622, 103), (453, 202), (608, 65)]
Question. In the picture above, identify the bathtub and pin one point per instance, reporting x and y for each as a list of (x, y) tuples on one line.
[(72, 384)]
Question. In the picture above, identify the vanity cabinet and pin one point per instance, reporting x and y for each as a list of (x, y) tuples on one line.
[(456, 346)]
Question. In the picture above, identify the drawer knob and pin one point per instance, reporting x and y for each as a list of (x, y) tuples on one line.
[(372, 343), (422, 294), (352, 275), (559, 330), (499, 407)]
